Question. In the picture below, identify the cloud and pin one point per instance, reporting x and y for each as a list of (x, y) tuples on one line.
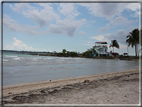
[(120, 36), (101, 38), (110, 10), (68, 10), (113, 12), (88, 43), (66, 27), (12, 25), (121, 21), (41, 17), (82, 33), (102, 29), (9, 47), (19, 45), (38, 15), (118, 21), (107, 10), (133, 6), (18, 7)]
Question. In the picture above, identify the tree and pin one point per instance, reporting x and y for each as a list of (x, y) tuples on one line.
[(64, 50), (88, 53), (133, 39), (141, 37), (113, 44)]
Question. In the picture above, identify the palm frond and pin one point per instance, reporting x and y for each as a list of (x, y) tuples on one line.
[(133, 38), (114, 43)]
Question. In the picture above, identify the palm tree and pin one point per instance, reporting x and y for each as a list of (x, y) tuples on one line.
[(113, 44), (64, 50), (133, 39), (140, 41)]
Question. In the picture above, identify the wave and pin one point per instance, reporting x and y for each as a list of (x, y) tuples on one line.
[(14, 60), (5, 60), (9, 56)]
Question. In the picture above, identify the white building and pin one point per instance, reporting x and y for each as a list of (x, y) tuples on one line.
[(100, 49)]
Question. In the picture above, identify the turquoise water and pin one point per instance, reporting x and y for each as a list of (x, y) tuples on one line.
[(21, 69)]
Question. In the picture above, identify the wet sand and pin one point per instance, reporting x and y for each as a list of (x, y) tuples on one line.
[(111, 88)]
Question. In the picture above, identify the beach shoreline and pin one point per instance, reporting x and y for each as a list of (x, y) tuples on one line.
[(10, 93)]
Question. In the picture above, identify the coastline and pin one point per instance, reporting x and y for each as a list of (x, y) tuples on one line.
[(10, 92)]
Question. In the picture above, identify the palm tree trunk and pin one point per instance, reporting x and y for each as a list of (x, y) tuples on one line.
[(139, 51), (135, 50), (127, 50), (113, 49)]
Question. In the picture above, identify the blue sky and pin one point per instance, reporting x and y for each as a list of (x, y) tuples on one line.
[(71, 26)]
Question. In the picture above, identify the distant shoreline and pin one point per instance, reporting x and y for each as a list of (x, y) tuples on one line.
[(131, 58)]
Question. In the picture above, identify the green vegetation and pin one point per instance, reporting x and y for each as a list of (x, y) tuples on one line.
[(87, 53), (123, 57), (65, 53), (133, 40), (72, 54), (140, 41), (113, 44), (64, 50)]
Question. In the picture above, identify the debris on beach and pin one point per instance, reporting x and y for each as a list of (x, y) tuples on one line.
[(42, 91), (84, 91), (10, 93), (107, 100), (86, 81)]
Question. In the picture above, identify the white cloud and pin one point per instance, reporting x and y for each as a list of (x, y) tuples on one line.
[(9, 47), (88, 43), (113, 12), (118, 21), (68, 10), (82, 33), (12, 25), (67, 27), (19, 45), (102, 29), (107, 10), (110, 10), (120, 36), (133, 6), (101, 38), (121, 21), (39, 16), (18, 7)]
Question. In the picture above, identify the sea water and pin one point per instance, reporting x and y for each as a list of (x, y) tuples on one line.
[(22, 68)]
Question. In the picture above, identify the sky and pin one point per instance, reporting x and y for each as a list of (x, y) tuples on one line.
[(75, 27)]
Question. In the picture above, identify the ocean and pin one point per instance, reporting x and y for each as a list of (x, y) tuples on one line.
[(22, 68)]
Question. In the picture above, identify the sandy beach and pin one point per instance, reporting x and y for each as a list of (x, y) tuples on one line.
[(111, 88)]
